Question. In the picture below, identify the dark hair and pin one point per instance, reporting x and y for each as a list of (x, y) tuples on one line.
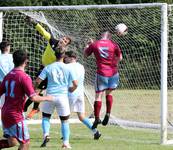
[(59, 53), (3, 45), (19, 57), (71, 54)]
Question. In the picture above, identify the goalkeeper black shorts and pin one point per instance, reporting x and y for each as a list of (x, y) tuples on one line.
[(43, 84)]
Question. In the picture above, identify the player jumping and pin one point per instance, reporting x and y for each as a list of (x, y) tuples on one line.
[(108, 55)]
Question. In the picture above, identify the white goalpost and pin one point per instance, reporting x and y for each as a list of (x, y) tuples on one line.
[(144, 98), (164, 55), (1, 31)]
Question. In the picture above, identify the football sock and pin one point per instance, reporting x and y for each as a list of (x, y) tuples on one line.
[(28, 102), (109, 101), (97, 108), (89, 124), (65, 130), (4, 143), (35, 105), (45, 125)]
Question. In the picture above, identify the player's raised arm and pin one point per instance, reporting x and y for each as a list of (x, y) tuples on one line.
[(39, 28), (43, 32), (88, 49), (118, 54)]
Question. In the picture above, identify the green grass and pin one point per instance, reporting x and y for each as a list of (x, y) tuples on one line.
[(113, 138), (140, 105), (135, 105)]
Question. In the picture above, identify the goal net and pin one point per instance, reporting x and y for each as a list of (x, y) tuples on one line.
[(143, 71)]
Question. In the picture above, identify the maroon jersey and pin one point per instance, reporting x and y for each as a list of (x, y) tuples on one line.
[(16, 85), (107, 54)]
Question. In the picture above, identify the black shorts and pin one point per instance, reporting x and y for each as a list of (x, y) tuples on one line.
[(43, 84)]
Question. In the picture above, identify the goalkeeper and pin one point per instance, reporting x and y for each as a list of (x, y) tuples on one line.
[(48, 57)]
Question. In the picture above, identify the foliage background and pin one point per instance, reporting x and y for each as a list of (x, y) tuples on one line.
[(73, 2)]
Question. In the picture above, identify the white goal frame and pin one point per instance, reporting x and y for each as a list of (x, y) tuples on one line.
[(164, 51)]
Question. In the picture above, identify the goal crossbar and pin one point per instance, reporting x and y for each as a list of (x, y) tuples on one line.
[(78, 7)]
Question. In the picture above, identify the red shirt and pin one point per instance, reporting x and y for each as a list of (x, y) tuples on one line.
[(16, 85), (106, 53)]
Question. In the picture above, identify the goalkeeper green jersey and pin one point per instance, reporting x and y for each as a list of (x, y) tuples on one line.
[(48, 56)]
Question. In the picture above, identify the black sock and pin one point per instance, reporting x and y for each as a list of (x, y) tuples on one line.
[(28, 102), (36, 105)]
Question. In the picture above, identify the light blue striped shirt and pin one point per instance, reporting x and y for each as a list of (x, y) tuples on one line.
[(6, 65), (59, 77), (79, 72)]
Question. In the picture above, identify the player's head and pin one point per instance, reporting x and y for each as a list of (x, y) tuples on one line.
[(70, 56), (106, 35), (59, 53), (5, 47), (64, 41), (20, 57)]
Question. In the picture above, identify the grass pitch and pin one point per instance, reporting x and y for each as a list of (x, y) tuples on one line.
[(138, 105), (113, 138)]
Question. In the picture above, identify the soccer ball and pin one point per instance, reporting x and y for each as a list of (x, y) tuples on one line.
[(121, 29)]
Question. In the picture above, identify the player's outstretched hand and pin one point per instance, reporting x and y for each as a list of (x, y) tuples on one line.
[(31, 20), (90, 41)]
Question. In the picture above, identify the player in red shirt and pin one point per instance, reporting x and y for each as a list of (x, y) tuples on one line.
[(107, 54), (16, 86)]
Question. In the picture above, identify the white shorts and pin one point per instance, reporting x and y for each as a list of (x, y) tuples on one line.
[(77, 103), (61, 103)]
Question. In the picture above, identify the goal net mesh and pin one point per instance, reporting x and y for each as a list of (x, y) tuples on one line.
[(137, 99)]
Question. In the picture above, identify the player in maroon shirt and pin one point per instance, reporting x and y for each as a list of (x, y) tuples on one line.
[(107, 54), (16, 86)]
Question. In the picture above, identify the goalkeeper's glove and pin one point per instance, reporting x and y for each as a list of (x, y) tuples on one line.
[(31, 21)]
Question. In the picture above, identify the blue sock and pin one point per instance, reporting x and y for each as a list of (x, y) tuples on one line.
[(46, 125), (89, 124), (65, 130)]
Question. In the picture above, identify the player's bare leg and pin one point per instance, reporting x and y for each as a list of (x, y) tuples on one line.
[(24, 146), (9, 142)]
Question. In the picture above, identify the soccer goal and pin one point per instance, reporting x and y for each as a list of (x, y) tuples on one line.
[(144, 98)]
